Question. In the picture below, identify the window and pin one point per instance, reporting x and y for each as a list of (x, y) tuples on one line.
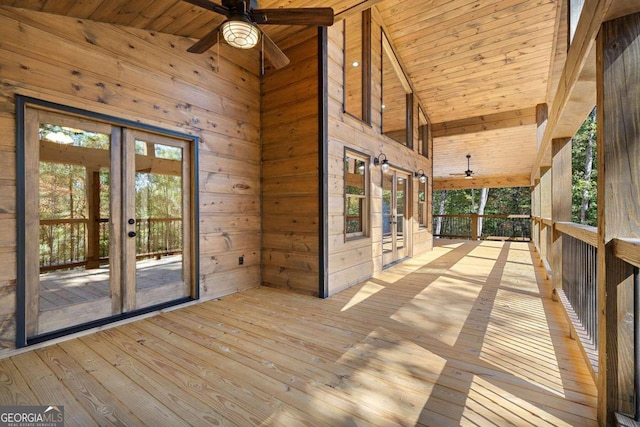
[(355, 195), (423, 133), (422, 205), (357, 65), (575, 9), (397, 99)]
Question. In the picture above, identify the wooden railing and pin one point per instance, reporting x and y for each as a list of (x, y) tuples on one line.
[(62, 243), (65, 243), (494, 227), (579, 289), (627, 337)]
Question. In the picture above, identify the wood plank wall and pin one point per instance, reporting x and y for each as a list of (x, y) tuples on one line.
[(355, 260), (147, 77), (290, 206)]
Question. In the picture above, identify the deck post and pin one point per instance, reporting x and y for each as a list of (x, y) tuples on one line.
[(560, 202), (618, 115), (474, 226), (545, 214)]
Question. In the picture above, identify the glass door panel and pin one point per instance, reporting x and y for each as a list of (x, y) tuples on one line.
[(69, 205), (401, 214), (394, 216), (157, 220), (388, 214)]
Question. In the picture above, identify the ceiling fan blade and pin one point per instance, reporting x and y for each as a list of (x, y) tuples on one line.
[(206, 4), (273, 52), (302, 16), (206, 42)]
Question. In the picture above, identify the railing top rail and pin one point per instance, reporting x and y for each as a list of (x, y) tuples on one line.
[(584, 233), (64, 221), (627, 250), (507, 216)]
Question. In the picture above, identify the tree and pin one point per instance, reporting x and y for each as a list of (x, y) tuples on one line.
[(484, 195), (500, 201), (441, 207)]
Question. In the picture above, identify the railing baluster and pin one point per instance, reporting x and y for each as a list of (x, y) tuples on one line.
[(579, 283), (494, 227)]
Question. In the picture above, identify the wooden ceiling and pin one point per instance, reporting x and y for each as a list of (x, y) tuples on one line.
[(479, 67)]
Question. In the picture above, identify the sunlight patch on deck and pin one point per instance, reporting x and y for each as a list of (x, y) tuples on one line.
[(367, 290), (444, 325), (490, 404)]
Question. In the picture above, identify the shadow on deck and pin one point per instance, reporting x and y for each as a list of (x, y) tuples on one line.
[(464, 335)]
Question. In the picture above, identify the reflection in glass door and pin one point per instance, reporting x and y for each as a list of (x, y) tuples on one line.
[(108, 221), (68, 173), (394, 216)]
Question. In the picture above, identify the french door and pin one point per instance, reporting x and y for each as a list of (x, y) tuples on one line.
[(108, 221), (394, 216)]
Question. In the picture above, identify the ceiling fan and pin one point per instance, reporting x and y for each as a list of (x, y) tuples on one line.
[(241, 30), (468, 174)]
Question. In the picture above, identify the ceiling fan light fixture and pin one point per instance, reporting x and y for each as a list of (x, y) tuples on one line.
[(240, 33)]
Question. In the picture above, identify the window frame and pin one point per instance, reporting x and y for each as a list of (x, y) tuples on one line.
[(423, 205), (424, 133), (365, 67), (364, 215)]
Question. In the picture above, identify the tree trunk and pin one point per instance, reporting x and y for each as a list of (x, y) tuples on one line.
[(443, 199), (588, 167), (484, 195)]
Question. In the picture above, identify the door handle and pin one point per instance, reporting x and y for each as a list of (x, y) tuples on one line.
[(132, 234)]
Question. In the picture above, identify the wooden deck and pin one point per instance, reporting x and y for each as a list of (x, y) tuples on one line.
[(464, 335)]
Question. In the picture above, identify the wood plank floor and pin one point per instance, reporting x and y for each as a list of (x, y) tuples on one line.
[(465, 335)]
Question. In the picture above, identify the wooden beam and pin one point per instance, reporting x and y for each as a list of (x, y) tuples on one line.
[(481, 182), (574, 97), (618, 49), (360, 7), (561, 175), (525, 116), (542, 115)]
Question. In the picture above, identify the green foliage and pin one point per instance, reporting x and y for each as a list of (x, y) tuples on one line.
[(501, 201), (582, 184)]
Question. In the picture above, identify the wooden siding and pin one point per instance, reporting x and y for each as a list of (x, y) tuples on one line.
[(351, 261), (146, 77), (420, 344), (290, 204)]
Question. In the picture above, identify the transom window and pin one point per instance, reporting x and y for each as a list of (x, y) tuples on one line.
[(423, 133), (357, 65), (397, 98)]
